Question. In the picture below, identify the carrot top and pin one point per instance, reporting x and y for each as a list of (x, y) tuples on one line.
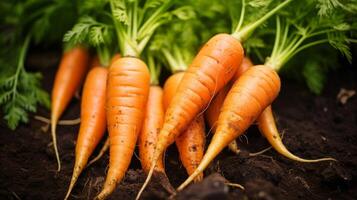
[(94, 28), (294, 34), (259, 13), (154, 68), (135, 22)]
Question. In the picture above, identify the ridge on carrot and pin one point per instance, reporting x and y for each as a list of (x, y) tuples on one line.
[(210, 70), (259, 85)]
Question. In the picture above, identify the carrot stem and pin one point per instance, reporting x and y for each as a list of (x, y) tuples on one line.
[(242, 34)]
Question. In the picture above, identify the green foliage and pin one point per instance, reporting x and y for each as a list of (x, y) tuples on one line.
[(23, 21), (136, 21), (300, 28), (91, 32), (314, 75), (21, 91), (94, 28)]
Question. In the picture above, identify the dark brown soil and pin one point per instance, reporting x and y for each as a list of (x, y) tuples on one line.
[(314, 126)]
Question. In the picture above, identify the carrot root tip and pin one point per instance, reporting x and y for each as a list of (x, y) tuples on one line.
[(161, 178), (54, 139), (148, 178)]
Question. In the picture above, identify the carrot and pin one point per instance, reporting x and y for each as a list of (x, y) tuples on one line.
[(153, 120), (154, 117), (93, 120), (266, 122), (127, 93), (191, 142), (71, 71), (249, 96)]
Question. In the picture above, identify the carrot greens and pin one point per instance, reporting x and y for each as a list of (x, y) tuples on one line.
[(23, 22)]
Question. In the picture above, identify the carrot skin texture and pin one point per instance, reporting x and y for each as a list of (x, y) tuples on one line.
[(250, 95), (127, 93), (93, 119), (191, 142), (69, 76), (211, 69)]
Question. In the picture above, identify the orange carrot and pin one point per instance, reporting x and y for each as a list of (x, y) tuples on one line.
[(249, 96), (191, 142), (127, 93), (93, 120), (154, 117), (70, 73), (266, 122), (153, 120)]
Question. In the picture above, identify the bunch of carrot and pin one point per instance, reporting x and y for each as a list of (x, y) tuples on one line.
[(219, 83)]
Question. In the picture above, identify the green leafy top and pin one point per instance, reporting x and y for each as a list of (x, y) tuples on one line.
[(20, 91), (176, 48), (294, 34), (135, 22), (94, 28), (43, 22), (259, 11), (154, 67)]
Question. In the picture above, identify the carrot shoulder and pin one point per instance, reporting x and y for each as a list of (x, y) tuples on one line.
[(249, 96), (71, 71), (127, 93)]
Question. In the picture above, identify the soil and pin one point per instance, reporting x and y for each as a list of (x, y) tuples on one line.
[(314, 127)]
